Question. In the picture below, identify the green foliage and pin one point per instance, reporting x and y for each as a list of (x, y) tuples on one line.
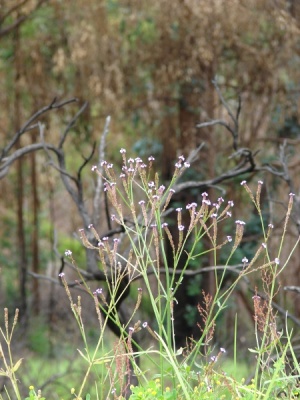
[(74, 245), (33, 395), (38, 337), (153, 390), (146, 147)]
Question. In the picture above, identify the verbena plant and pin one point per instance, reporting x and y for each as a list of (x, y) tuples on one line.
[(139, 205)]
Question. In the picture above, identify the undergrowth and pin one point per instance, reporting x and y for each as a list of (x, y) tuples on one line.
[(139, 205)]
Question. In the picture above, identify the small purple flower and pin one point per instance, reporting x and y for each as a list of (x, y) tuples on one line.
[(90, 226), (222, 350), (178, 165), (105, 239), (141, 202), (113, 217), (61, 275), (206, 201), (230, 203), (68, 253), (260, 182), (204, 194), (245, 260), (178, 209), (122, 151), (131, 329), (220, 200), (130, 160), (94, 167), (103, 163), (243, 183), (151, 158), (255, 297), (116, 240), (109, 166), (271, 226), (181, 228), (164, 225), (277, 262), (151, 184), (264, 245), (229, 214), (145, 324), (214, 215), (239, 222), (187, 165), (291, 194), (181, 158), (229, 238), (213, 358)]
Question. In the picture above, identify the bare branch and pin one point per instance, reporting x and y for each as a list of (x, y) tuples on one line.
[(292, 288), (12, 10), (7, 161), (216, 122), (52, 162), (246, 165), (99, 185), (284, 174), (71, 124), (235, 119), (20, 20), (28, 124), (86, 160)]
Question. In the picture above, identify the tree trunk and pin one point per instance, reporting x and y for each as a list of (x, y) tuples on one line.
[(21, 242), (35, 232)]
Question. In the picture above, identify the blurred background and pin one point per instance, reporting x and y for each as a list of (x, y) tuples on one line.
[(150, 66)]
